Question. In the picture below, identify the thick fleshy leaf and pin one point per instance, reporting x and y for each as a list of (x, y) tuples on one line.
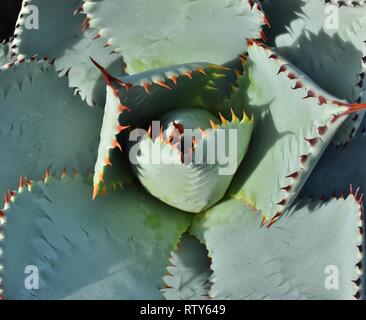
[(295, 121), (67, 43), (313, 252), (189, 272), (325, 39), (194, 179), (116, 247), (82, 74), (138, 99), (53, 20), (180, 32), (43, 125)]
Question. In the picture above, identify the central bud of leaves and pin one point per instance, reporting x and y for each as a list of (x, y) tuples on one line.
[(187, 159)]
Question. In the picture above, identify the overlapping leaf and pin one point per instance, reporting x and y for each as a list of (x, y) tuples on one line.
[(189, 272), (326, 40), (135, 100), (42, 125), (312, 252), (154, 34), (295, 121), (50, 29), (193, 180), (116, 247)]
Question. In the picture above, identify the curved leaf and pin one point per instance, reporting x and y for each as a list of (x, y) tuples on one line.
[(42, 125), (151, 38), (138, 99), (197, 177), (189, 272), (326, 41), (116, 247), (295, 121), (311, 249), (69, 45)]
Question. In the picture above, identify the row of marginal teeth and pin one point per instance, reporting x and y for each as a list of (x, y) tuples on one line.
[(349, 3), (161, 80), (179, 128)]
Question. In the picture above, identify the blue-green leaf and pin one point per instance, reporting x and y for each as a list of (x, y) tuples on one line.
[(59, 37), (189, 271), (314, 251), (325, 39), (116, 247), (43, 125), (179, 32), (295, 121)]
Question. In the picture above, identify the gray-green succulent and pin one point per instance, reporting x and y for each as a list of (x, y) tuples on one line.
[(99, 218)]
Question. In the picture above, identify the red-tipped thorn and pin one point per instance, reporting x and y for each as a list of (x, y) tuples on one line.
[(298, 85), (161, 83), (352, 108), (188, 74), (283, 68), (250, 42), (287, 188), (292, 76), (282, 202), (271, 223), (310, 94), (303, 158), (107, 162), (264, 221), (95, 191), (361, 199), (266, 22), (263, 35), (28, 182), (293, 175), (78, 10), (174, 79), (21, 183), (121, 128), (322, 130), (122, 108), (47, 174), (322, 100), (108, 78), (201, 70), (85, 25), (146, 86), (6, 199), (312, 141), (115, 144)]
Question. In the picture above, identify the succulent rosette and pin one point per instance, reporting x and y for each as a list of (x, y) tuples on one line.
[(183, 150)]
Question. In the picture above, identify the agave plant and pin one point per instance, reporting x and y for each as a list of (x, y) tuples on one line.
[(96, 217)]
